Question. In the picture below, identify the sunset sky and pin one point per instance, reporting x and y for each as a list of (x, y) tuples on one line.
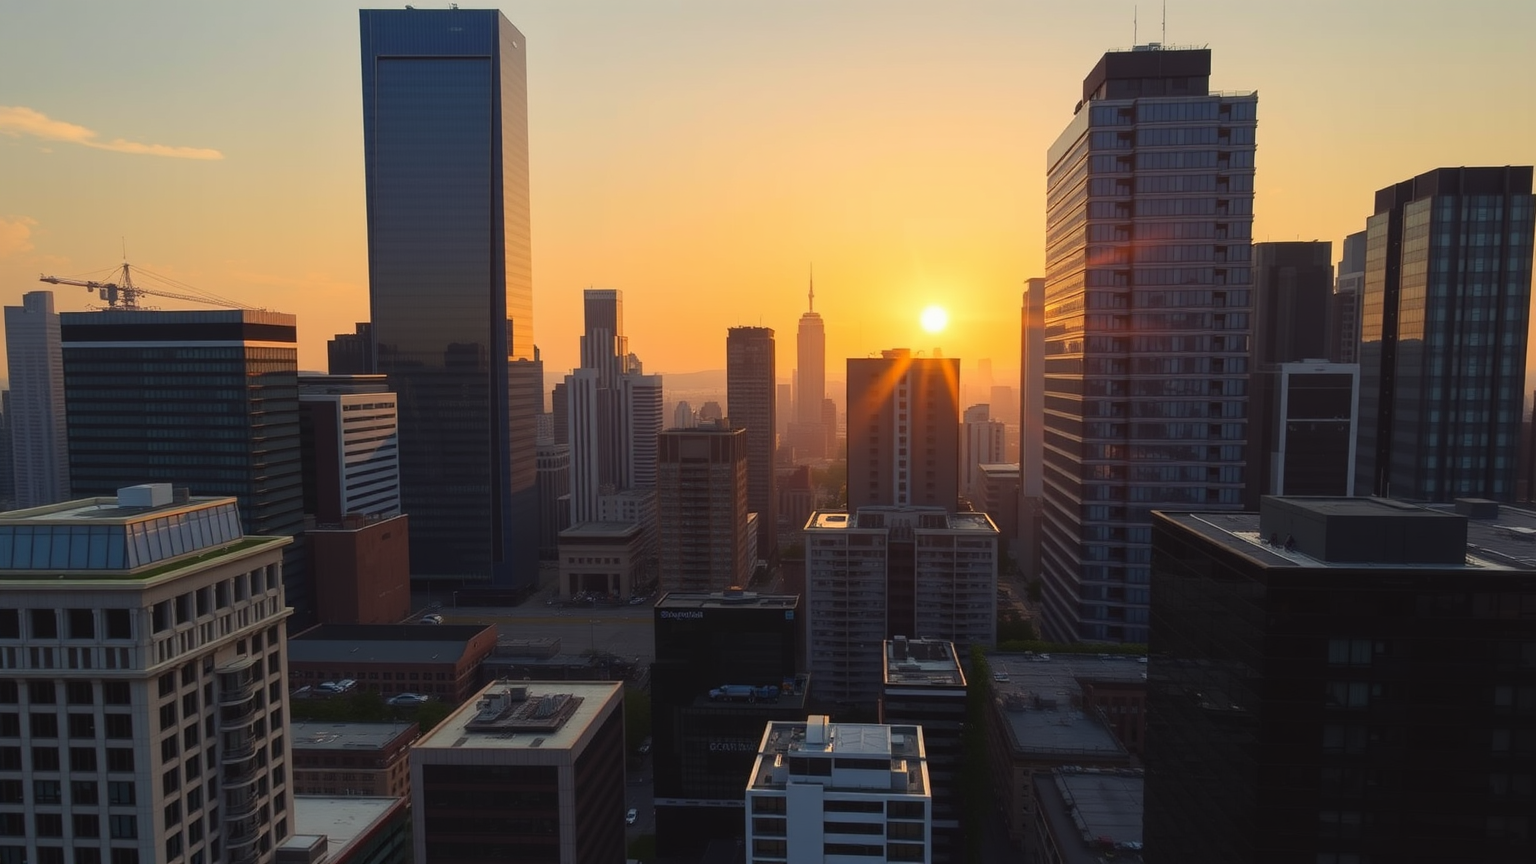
[(701, 156)]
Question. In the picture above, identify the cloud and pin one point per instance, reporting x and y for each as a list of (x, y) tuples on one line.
[(16, 120), (16, 235)]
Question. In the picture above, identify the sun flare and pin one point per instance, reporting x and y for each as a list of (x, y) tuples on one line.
[(934, 319)]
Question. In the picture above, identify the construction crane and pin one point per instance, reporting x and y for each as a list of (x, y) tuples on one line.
[(121, 293)]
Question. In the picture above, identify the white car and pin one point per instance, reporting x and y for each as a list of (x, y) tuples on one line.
[(631, 816), (431, 619), (409, 700)]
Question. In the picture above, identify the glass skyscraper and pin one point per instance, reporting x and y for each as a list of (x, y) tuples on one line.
[(1149, 223), (445, 131), (1443, 335)]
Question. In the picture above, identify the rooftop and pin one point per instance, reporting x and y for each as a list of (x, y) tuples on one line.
[(604, 530), (897, 750), (549, 715), (919, 518), (731, 599), (1099, 808), (384, 643), (342, 820), (346, 736), (924, 662), (1041, 700)]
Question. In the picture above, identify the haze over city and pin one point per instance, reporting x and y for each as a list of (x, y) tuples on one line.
[(702, 158)]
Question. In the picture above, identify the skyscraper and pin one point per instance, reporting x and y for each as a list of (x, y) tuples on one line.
[(1149, 216), (982, 440), (1443, 335), (701, 508), (806, 432), (1348, 288), (903, 431), (351, 353), (1031, 425), (39, 435), (749, 383), (208, 400), (445, 133)]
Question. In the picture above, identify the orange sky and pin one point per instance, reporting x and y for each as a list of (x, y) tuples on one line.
[(700, 156)]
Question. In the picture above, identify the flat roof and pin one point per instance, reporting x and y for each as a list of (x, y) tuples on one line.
[(342, 820), (928, 662), (1098, 808), (384, 643), (902, 745), (104, 510), (318, 735), (919, 518), (726, 600), (597, 530), (1041, 698), (580, 702)]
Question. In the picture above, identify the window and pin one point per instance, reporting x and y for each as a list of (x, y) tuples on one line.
[(173, 814), (80, 693), (169, 748), (125, 856), (42, 692), (124, 827), (116, 693), (172, 846), (120, 792), (45, 624), (87, 825), (82, 759), (10, 792), (119, 624), (170, 781), (45, 759), (10, 725), (119, 759), (82, 726), (119, 725), (82, 623), (168, 715), (47, 792), (88, 854), (83, 792), (10, 624), (48, 824), (167, 683), (45, 725)]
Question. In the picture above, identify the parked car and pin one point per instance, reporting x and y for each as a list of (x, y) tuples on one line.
[(631, 816), (335, 688), (409, 700), (431, 619)]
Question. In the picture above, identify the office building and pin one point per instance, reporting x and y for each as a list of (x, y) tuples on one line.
[(1000, 500), (726, 662), (1297, 422), (749, 371), (1306, 663), (1087, 816), (806, 432), (353, 759), (208, 400), (883, 572), (351, 353), (683, 416), (1149, 218), (983, 440), (903, 431), (1031, 428), (554, 473), (784, 408), (349, 830), (1056, 710), (1442, 338), (7, 470), (532, 771), (144, 706), (701, 509), (441, 661), (825, 792), (1344, 313), (39, 458), (445, 135), (924, 686), (601, 560)]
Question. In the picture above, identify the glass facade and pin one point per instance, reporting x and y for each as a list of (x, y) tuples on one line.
[(446, 140), (1443, 335), (117, 546), (1148, 306)]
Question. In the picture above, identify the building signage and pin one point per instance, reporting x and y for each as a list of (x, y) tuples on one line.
[(670, 614), (732, 746)]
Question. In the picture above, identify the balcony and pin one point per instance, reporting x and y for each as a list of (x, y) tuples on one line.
[(239, 774), (240, 804), (234, 694), (237, 717), (237, 748)]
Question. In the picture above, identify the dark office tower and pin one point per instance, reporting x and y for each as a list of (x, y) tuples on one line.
[(806, 432), (1443, 335), (39, 433), (1293, 287), (701, 508), (726, 664), (1031, 427), (7, 470), (749, 391), (1319, 665), (445, 134), (903, 431), (351, 353), (1344, 314), (560, 413), (924, 685), (203, 400), (1149, 217)]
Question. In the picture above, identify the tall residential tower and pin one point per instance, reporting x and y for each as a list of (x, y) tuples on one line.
[(445, 134), (1149, 216), (749, 371)]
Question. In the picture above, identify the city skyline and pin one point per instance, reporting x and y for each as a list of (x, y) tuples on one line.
[(800, 147)]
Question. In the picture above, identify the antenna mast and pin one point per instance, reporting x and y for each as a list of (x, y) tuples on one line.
[(1165, 22), (811, 298), (1135, 33)]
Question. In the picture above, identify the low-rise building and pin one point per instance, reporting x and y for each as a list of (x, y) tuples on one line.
[(601, 559), (352, 759), (441, 661), (1087, 816), (532, 771), (348, 830), (823, 791)]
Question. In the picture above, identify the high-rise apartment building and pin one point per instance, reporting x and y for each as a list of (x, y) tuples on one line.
[(1344, 314), (883, 572), (1315, 667), (351, 353), (924, 686), (531, 771), (827, 792), (208, 400), (983, 441), (1443, 335), (749, 374), (144, 700), (701, 509), (445, 134), (1149, 217), (554, 473), (806, 432), (39, 433), (903, 430)]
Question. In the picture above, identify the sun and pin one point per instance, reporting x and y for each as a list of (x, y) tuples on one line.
[(934, 319)]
